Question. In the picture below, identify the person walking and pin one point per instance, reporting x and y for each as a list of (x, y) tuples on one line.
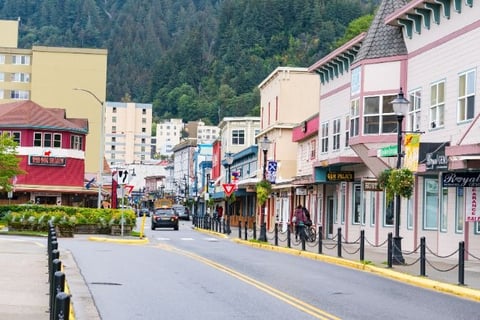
[(299, 219)]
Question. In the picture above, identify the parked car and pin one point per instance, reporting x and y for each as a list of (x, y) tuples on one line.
[(182, 211), (164, 218), (144, 211)]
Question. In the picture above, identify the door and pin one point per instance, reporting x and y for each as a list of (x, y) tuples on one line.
[(330, 214)]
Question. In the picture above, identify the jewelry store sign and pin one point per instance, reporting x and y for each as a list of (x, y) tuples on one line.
[(460, 179), (47, 161), (335, 176)]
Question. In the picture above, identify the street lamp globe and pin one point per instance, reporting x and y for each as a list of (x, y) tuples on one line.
[(265, 144), (400, 104)]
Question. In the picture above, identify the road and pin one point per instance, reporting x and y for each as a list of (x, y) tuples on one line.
[(187, 274)]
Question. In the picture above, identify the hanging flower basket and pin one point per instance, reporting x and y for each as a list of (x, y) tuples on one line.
[(264, 188), (397, 181)]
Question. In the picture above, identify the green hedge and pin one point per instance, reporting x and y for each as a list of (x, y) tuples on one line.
[(39, 216)]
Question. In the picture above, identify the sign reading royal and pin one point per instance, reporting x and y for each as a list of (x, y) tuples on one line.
[(461, 179), (340, 176), (47, 161)]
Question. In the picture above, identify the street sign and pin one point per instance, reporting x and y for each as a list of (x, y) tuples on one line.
[(228, 188), (388, 151), (272, 166)]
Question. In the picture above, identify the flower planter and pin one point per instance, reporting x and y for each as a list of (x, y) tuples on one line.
[(64, 231), (87, 229), (116, 229)]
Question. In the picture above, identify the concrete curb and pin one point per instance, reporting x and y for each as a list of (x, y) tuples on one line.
[(419, 281)]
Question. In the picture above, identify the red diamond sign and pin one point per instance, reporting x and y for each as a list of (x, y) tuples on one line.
[(228, 188)]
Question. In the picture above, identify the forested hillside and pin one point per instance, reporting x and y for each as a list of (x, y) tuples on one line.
[(191, 58)]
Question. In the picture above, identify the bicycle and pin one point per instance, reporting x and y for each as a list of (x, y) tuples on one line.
[(310, 233)]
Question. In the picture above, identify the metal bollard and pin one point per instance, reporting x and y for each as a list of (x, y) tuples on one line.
[(423, 257), (254, 231), (276, 234), (246, 230), (289, 238), (461, 263), (389, 250), (239, 230), (362, 245), (320, 239), (56, 266), (59, 286), (339, 242), (55, 254), (62, 306)]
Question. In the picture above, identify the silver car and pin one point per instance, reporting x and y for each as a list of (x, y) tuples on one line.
[(182, 211)]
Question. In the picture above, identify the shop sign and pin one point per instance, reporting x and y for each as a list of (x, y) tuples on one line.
[(340, 176), (371, 185), (461, 179), (47, 161)]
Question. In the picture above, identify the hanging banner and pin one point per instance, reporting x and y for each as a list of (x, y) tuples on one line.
[(412, 146), (473, 212)]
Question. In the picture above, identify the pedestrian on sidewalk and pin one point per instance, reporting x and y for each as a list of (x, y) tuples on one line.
[(299, 219)]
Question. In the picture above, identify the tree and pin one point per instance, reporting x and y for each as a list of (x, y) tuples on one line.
[(8, 162)]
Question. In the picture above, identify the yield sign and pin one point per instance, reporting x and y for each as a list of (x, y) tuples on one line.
[(228, 188)]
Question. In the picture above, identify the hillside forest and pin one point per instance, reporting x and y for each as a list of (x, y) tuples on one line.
[(192, 59)]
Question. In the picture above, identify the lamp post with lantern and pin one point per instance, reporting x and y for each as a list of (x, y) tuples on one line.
[(400, 107), (265, 145)]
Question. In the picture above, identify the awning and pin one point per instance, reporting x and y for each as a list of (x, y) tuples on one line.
[(59, 189)]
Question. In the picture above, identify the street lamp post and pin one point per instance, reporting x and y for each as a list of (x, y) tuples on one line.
[(206, 197), (102, 144), (265, 145), (229, 160), (400, 107)]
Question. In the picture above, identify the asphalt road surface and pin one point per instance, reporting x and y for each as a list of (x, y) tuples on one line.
[(188, 274)]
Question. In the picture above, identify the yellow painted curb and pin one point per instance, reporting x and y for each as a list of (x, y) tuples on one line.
[(213, 233), (423, 282), (125, 241)]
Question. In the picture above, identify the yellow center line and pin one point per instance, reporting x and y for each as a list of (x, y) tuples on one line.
[(294, 302)]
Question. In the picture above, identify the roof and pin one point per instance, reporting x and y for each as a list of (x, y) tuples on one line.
[(28, 114), (383, 40)]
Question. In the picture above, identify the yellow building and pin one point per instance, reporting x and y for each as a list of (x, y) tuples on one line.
[(48, 76)]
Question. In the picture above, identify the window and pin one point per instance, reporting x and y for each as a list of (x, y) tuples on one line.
[(459, 210), (114, 110), (437, 105), (354, 118), (313, 149), (373, 201), (466, 96), (336, 134), (144, 111), (388, 214), (379, 116), (16, 137), (20, 77), (112, 147), (2, 59), (238, 137), (19, 94), (23, 60), (114, 129), (324, 137), (347, 132), (2, 94), (343, 201), (357, 200), (430, 212), (144, 120), (37, 139), (144, 130), (143, 140), (410, 203), (114, 139), (76, 142), (2, 76), (414, 110), (47, 140), (114, 119)]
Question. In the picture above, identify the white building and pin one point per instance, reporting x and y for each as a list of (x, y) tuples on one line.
[(128, 128), (168, 135)]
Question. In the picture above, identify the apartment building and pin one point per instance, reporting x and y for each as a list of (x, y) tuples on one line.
[(206, 134), (49, 75), (168, 135), (128, 127)]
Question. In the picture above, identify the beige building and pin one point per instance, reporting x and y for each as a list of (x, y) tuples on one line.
[(288, 96), (48, 76), (128, 129)]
